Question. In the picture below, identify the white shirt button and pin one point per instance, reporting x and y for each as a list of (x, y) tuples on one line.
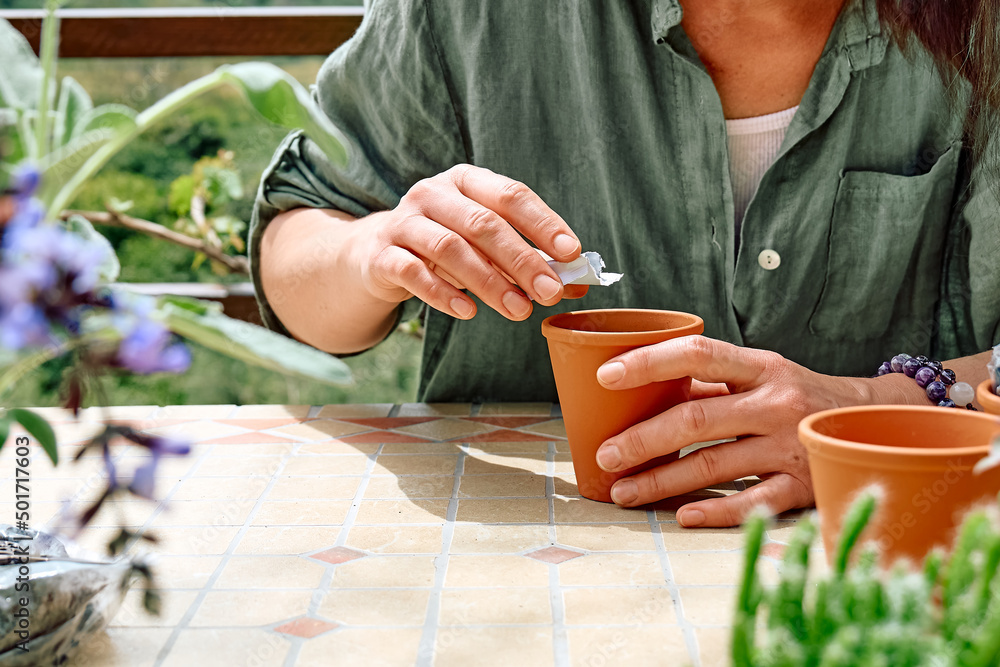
[(769, 260)]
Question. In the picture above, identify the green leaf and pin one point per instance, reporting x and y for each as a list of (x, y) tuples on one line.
[(117, 117), (4, 430), (110, 267), (21, 74), (39, 428), (181, 192), (282, 100), (251, 344), (857, 517), (74, 104)]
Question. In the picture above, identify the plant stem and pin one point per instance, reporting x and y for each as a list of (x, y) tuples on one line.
[(49, 49), (235, 263), (147, 118), (28, 364)]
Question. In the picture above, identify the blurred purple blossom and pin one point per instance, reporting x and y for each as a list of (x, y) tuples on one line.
[(149, 347)]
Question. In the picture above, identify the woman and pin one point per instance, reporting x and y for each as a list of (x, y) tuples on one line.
[(780, 168)]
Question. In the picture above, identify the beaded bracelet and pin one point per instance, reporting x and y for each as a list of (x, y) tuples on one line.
[(939, 382)]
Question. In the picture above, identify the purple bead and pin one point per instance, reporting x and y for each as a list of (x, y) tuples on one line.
[(948, 377), (946, 403), (936, 391), (884, 369), (925, 376), (922, 359), (896, 363), (937, 366), (910, 367)]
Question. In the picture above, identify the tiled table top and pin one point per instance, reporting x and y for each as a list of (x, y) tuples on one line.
[(396, 535)]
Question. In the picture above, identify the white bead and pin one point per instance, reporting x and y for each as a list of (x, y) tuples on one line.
[(962, 393)]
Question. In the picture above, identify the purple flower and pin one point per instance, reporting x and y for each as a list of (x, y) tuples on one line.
[(23, 325), (148, 347), (144, 481), (25, 180)]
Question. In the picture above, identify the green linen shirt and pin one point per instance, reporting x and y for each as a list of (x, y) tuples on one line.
[(604, 109)]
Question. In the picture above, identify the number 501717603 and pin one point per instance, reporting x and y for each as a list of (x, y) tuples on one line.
[(22, 484)]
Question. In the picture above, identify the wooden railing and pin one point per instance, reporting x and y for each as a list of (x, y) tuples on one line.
[(192, 31)]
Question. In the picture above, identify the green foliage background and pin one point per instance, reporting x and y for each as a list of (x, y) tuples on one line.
[(142, 174)]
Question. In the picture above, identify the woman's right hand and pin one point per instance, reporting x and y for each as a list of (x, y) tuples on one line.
[(462, 230)]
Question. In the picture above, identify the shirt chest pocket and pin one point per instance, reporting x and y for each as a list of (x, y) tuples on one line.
[(885, 251)]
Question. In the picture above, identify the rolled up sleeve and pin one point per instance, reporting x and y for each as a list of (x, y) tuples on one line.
[(386, 90)]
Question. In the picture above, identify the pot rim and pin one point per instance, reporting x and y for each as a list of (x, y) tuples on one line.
[(986, 397), (695, 325), (806, 428)]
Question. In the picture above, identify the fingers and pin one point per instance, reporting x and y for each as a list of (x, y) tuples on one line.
[(778, 494), (521, 207), (670, 431), (412, 274), (494, 238), (704, 359), (575, 291), (698, 470)]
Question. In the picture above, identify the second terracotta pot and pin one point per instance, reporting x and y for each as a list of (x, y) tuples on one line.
[(579, 343), (921, 457), (989, 400)]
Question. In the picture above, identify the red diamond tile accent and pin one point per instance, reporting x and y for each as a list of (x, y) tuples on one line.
[(338, 555), (305, 627), (381, 437), (773, 550), (504, 435), (509, 422), (253, 437), (391, 422), (554, 555), (258, 424)]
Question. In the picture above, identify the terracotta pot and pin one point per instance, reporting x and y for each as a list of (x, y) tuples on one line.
[(989, 400), (579, 342), (922, 457)]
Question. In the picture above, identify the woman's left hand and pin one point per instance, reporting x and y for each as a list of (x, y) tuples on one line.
[(753, 395)]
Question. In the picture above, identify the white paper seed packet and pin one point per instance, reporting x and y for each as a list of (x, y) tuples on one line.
[(587, 269)]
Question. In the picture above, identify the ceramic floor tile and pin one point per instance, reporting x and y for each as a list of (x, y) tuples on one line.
[(204, 513), (713, 646), (629, 537), (497, 606), (384, 607), (195, 412), (338, 447), (495, 572), (402, 511), (477, 538), (493, 646), (320, 429), (242, 572), (133, 615), (554, 429), (565, 486), (505, 436), (362, 646), (382, 437), (582, 510), (415, 464), (678, 538), (362, 410), (121, 412), (314, 488), (482, 464), (619, 606), (517, 409), (425, 447), (250, 608), (122, 647), (185, 571), (508, 422), (554, 555), (271, 411), (326, 465), (249, 438), (396, 539), (718, 569), (260, 648), (288, 540), (337, 555), (70, 432), (782, 531), (385, 423), (536, 448), (410, 486), (492, 486), (191, 540), (599, 569), (708, 605), (435, 410), (503, 510), (259, 424), (305, 627), (446, 429), (221, 488), (302, 513), (385, 572), (636, 647), (233, 466)]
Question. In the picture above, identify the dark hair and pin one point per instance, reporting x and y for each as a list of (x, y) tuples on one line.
[(963, 37)]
